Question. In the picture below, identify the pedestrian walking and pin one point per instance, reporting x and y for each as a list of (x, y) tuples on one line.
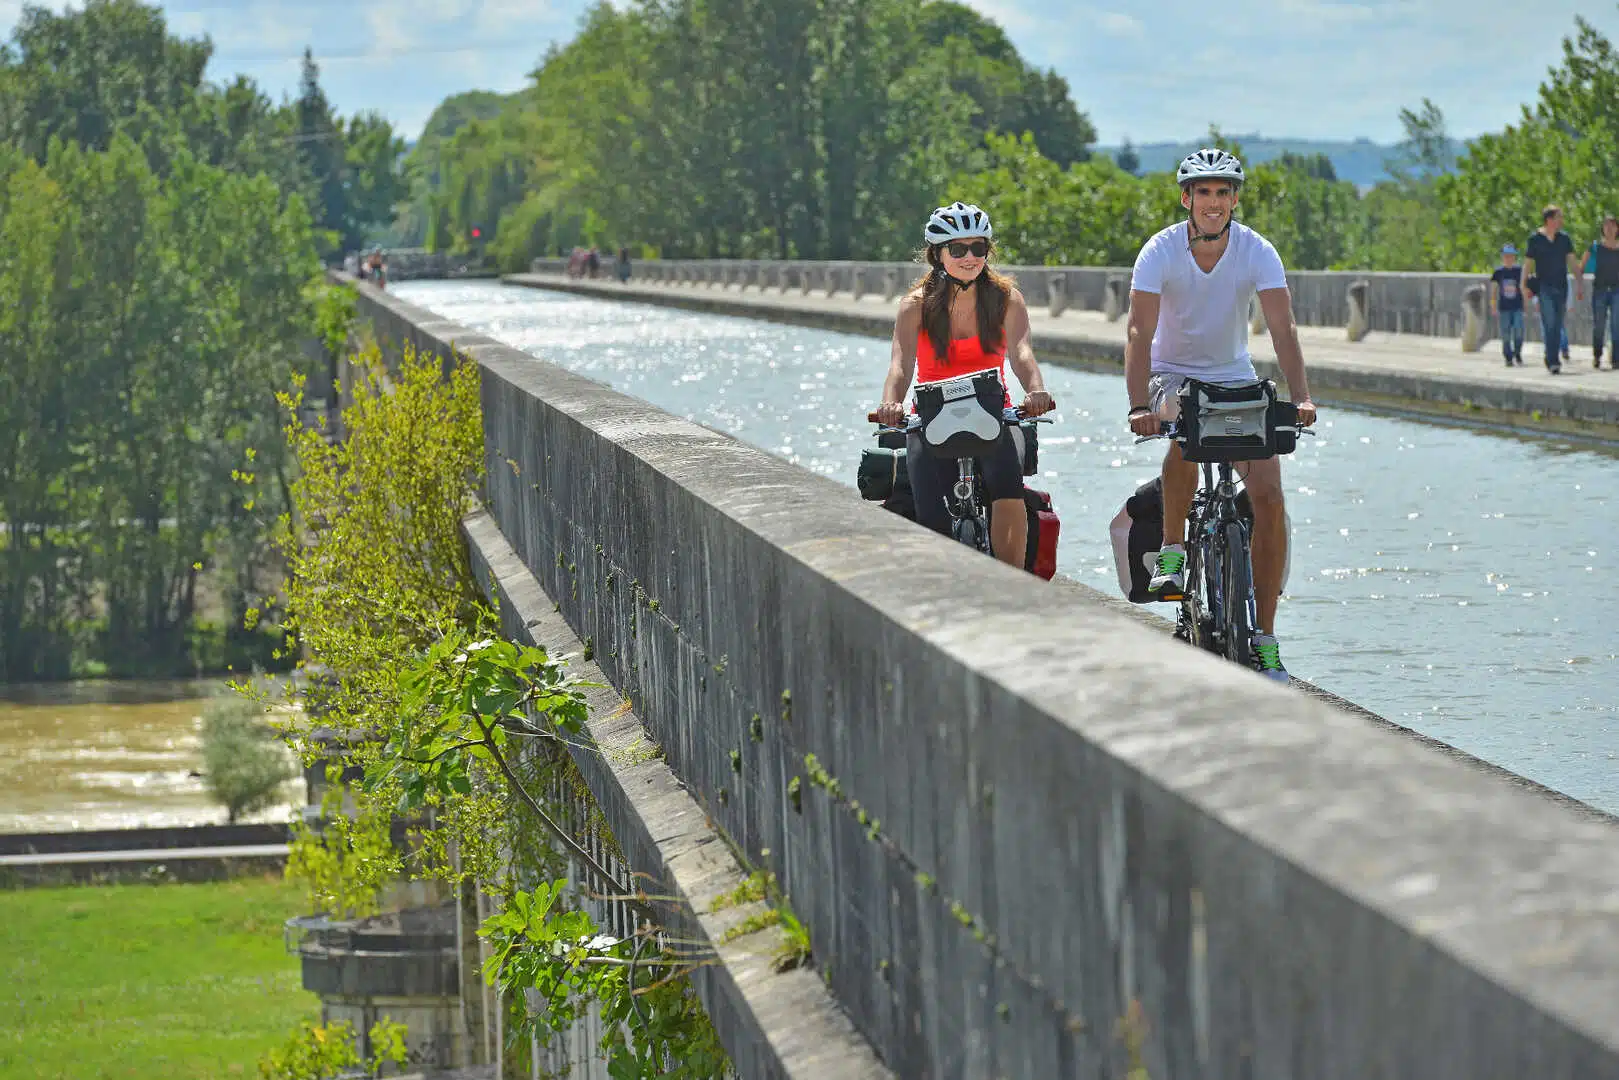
[(1506, 302), (1550, 259), (1604, 266), (621, 266)]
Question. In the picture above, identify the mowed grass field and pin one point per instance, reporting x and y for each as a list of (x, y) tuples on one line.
[(151, 981)]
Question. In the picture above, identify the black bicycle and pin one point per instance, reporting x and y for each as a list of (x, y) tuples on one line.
[(1222, 426), (962, 418)]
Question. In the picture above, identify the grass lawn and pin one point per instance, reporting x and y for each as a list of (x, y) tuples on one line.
[(152, 981)]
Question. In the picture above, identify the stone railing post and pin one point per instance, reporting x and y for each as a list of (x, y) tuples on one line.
[(1359, 310), (892, 283), (752, 276), (831, 281), (1057, 283), (1475, 324), (807, 276), (857, 281), (1256, 316), (784, 276), (1116, 297)]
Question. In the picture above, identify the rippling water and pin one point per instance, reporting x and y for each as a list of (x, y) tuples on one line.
[(104, 755), (1453, 581)]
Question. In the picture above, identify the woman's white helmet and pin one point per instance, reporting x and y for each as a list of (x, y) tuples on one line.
[(956, 221), (1209, 163)]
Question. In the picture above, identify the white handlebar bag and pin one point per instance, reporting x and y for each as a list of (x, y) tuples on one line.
[(962, 417)]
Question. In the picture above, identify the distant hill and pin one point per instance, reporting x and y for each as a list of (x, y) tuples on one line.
[(1359, 161)]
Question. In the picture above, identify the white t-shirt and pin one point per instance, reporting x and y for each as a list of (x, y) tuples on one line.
[(1203, 318)]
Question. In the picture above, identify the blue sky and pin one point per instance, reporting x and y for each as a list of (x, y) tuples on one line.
[(1303, 68)]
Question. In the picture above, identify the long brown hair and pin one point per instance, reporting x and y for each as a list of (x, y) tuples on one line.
[(993, 295)]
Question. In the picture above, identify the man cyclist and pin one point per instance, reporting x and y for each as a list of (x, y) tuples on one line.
[(1189, 318)]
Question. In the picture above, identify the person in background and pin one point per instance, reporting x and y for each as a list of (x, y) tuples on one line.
[(377, 272), (1550, 256), (1506, 302), (621, 266), (1604, 266)]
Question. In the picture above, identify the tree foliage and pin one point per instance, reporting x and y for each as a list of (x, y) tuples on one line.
[(156, 257), (807, 128), (244, 762)]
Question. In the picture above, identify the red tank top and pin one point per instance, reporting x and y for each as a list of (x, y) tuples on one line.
[(966, 355)]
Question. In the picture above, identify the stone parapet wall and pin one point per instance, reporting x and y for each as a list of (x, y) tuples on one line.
[(1028, 836)]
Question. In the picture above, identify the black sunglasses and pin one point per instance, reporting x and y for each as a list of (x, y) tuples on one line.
[(958, 249)]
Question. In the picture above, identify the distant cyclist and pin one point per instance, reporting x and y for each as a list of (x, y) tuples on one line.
[(962, 317), (1189, 318)]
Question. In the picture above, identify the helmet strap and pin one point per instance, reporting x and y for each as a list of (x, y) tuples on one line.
[(957, 282)]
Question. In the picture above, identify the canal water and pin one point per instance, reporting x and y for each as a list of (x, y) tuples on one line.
[(1457, 582), (106, 755)]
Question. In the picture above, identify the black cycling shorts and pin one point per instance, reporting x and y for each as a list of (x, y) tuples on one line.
[(1000, 473)]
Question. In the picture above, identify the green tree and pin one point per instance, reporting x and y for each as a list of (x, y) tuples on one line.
[(87, 74), (244, 762), (1127, 158)]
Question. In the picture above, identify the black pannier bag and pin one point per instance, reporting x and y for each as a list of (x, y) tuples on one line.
[(962, 417), (1137, 532), (1227, 423), (881, 471)]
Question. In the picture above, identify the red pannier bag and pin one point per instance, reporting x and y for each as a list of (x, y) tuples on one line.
[(1041, 557)]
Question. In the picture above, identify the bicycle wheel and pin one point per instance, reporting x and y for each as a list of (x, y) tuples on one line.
[(1196, 623), (1237, 594)]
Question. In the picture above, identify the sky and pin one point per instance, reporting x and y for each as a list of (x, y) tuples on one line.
[(1297, 68)]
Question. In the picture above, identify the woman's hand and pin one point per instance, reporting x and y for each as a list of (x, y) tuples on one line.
[(891, 414), (1037, 403)]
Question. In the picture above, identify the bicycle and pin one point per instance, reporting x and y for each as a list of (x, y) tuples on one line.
[(1217, 611), (964, 434)]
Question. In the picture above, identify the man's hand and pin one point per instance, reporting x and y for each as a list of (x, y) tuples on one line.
[(891, 414), (1037, 403), (1306, 410), (1146, 423)]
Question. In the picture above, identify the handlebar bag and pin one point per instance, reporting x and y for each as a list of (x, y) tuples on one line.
[(961, 417), (1227, 423)]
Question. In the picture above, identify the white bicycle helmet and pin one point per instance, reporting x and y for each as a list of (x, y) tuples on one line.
[(1209, 163), (956, 221)]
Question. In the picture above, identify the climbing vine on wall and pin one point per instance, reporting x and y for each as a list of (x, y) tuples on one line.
[(443, 716)]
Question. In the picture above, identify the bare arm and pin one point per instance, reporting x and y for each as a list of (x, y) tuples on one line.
[(1020, 350), (1576, 266), (902, 356), (1138, 345), (1277, 304)]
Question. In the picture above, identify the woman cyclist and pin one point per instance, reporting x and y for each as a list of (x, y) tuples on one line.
[(960, 317)]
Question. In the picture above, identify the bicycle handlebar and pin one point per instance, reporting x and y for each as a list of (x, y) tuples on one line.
[(1011, 416)]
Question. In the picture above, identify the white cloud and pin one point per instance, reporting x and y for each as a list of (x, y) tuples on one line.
[(1119, 24)]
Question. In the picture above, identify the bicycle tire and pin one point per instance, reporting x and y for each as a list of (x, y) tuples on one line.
[(1237, 587), (1196, 598)]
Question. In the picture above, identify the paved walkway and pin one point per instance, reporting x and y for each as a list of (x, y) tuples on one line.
[(1401, 371)]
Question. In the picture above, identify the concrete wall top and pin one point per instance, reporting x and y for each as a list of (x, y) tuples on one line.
[(1027, 834)]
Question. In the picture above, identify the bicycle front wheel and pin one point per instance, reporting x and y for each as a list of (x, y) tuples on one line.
[(1237, 594)]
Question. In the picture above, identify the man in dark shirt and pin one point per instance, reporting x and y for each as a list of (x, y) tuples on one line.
[(1605, 293), (1506, 300), (1551, 259)]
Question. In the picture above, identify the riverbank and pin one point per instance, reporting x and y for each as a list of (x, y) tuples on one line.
[(1409, 374)]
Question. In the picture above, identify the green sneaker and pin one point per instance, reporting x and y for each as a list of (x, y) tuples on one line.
[(1267, 654), (1169, 579)]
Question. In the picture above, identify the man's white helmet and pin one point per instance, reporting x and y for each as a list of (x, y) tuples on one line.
[(1209, 163), (955, 221)]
